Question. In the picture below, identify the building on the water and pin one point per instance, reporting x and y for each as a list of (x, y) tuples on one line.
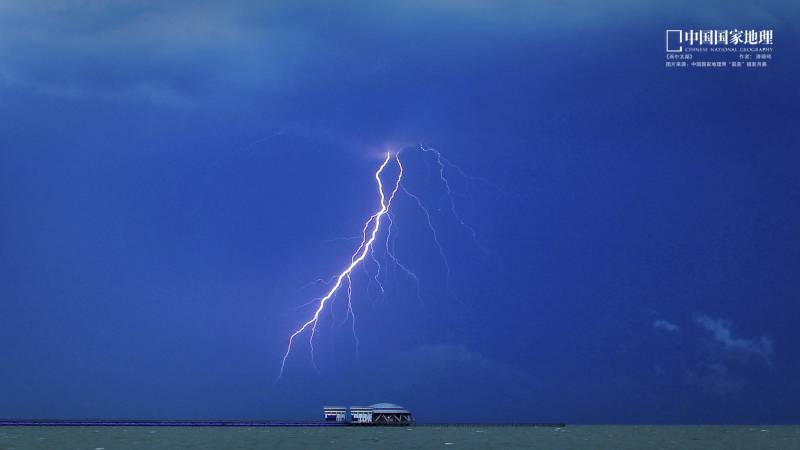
[(335, 413), (377, 414), (361, 414), (390, 414)]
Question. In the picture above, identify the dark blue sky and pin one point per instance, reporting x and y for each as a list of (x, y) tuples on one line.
[(173, 175)]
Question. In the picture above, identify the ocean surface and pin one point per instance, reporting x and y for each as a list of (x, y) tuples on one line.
[(417, 437)]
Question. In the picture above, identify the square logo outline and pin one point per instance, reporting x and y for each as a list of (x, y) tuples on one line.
[(680, 41)]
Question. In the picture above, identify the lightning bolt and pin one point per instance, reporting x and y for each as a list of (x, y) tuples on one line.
[(433, 233), (389, 252), (442, 161), (368, 236), (366, 248)]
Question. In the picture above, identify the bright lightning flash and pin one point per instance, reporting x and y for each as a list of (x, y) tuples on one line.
[(368, 236)]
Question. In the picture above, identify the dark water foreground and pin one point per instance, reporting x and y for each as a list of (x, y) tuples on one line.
[(418, 437)]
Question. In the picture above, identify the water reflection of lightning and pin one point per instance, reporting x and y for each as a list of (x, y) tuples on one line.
[(361, 252)]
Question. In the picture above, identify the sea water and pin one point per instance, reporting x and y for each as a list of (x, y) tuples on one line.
[(416, 437)]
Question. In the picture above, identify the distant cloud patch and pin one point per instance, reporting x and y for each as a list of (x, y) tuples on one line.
[(730, 346), (724, 362), (666, 326)]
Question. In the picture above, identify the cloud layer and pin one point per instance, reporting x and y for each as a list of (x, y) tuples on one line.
[(722, 362), (727, 345), (176, 52), (666, 326)]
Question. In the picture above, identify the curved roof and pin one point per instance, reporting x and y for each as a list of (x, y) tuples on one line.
[(388, 407)]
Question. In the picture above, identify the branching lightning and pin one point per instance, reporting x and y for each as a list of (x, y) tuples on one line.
[(391, 255), (358, 257), (367, 247), (441, 161), (433, 233)]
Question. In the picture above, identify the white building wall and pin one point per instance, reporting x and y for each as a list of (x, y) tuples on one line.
[(340, 414), (359, 415)]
